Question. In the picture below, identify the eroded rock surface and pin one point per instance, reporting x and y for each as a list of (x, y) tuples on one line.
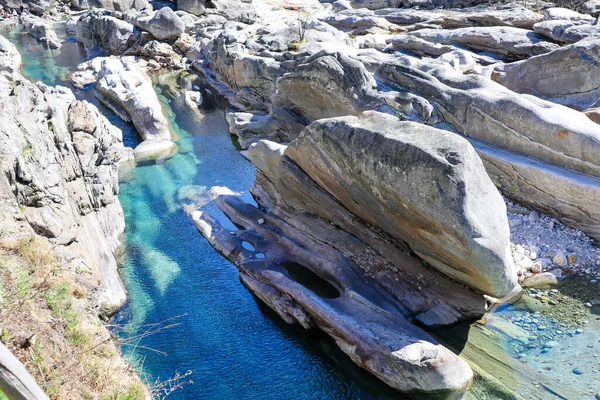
[(60, 160)]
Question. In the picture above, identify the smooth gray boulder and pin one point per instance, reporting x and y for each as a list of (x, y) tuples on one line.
[(512, 43), (560, 13), (163, 25), (350, 204), (437, 204), (568, 75)]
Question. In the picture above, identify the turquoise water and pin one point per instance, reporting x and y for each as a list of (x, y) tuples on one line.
[(236, 348), (194, 314)]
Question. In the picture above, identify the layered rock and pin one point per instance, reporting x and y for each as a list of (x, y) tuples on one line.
[(127, 89), (515, 129), (509, 42), (60, 160), (42, 30), (568, 75), (360, 197)]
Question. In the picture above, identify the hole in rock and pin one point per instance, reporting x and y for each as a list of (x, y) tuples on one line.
[(248, 246), (310, 280)]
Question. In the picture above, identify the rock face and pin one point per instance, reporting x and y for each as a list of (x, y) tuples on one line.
[(163, 25), (116, 5), (508, 129), (359, 195), (60, 160), (101, 33), (128, 90), (567, 31), (566, 76)]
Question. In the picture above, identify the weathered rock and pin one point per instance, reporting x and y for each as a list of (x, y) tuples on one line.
[(112, 5), (559, 13), (60, 161), (41, 29), (567, 31), (363, 319), (232, 10), (568, 75), (163, 25), (540, 281), (104, 34), (414, 207), (326, 85), (510, 42), (485, 110), (250, 128), (125, 86)]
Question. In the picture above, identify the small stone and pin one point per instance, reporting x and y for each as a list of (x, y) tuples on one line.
[(578, 371), (560, 259), (526, 264), (572, 258), (588, 305), (261, 221), (550, 344), (534, 217), (536, 268), (578, 331)]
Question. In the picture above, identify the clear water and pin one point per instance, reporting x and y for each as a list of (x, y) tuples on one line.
[(203, 319)]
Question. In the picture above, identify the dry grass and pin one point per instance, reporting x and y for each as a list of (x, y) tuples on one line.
[(46, 321)]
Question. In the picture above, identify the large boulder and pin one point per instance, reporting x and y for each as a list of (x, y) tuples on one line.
[(538, 153), (421, 185), (163, 25), (41, 29), (566, 31), (510, 42), (348, 208), (568, 75)]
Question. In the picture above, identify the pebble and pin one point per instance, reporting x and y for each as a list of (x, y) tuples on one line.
[(550, 344), (578, 371), (560, 259), (572, 258), (261, 221), (578, 331)]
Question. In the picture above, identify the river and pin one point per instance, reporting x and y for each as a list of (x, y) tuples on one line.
[(188, 303)]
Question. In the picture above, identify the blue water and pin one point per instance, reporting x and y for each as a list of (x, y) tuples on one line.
[(236, 348)]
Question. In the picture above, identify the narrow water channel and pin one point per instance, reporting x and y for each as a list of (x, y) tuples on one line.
[(194, 314)]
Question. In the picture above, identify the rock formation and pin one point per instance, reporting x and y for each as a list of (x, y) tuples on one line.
[(353, 200)]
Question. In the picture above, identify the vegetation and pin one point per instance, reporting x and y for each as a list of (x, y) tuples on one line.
[(46, 321)]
